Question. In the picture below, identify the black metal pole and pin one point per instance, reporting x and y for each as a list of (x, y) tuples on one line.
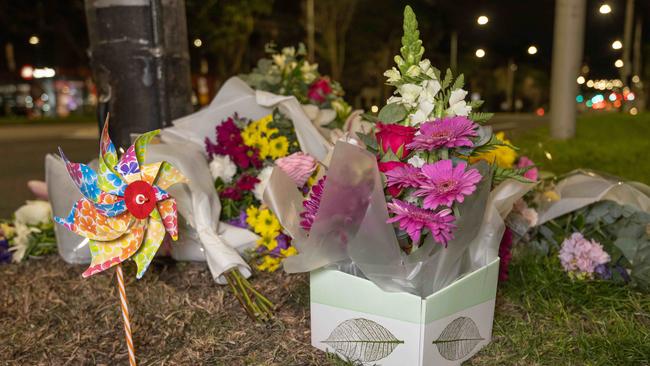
[(132, 59)]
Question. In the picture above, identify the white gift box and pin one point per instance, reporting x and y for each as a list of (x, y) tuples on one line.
[(354, 318)]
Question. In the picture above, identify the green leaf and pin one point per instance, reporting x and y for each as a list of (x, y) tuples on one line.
[(370, 140), (448, 78), (392, 113), (459, 83), (480, 117)]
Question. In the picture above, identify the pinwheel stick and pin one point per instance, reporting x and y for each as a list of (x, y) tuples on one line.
[(125, 313)]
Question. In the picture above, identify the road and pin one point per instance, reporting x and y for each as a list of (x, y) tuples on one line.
[(23, 149)]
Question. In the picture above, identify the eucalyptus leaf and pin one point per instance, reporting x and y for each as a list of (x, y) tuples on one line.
[(392, 113)]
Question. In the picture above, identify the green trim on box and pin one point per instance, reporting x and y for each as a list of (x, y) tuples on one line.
[(473, 289), (342, 290)]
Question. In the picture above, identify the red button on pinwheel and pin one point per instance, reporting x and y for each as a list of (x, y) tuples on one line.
[(140, 199)]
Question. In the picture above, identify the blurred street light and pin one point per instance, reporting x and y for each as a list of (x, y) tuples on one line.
[(605, 9), (197, 42), (34, 40), (618, 63), (617, 45), (532, 50), (480, 53), (636, 79), (581, 80), (482, 20)]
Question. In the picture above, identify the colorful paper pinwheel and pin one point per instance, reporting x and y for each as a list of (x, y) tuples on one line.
[(125, 210)]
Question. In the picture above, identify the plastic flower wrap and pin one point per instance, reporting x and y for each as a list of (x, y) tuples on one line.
[(242, 156), (125, 210), (410, 206), (288, 72)]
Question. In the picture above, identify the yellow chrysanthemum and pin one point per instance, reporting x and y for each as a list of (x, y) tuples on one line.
[(267, 224), (503, 156), (279, 147), (269, 264), (252, 213), (289, 251), (250, 137), (264, 147)]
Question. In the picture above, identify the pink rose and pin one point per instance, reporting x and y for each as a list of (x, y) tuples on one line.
[(298, 166), (387, 166), (392, 137), (319, 90), (531, 174)]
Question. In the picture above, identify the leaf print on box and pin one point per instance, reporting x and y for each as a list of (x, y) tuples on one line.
[(458, 339), (362, 340)]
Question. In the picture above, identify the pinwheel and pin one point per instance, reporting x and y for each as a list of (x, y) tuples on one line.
[(125, 210)]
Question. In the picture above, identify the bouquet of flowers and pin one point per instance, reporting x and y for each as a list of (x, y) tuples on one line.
[(288, 72), (593, 226), (241, 161), (420, 187), (30, 233)]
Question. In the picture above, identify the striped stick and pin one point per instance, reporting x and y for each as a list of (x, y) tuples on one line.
[(125, 314)]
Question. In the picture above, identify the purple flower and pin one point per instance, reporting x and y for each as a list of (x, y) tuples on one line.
[(414, 219), (582, 256), (5, 254), (603, 271), (444, 133), (403, 176), (239, 221), (312, 204), (442, 183), (505, 254)]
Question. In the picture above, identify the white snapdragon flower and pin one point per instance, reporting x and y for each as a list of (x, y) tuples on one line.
[(416, 161), (457, 104), (413, 71), (409, 94), (34, 213), (430, 89), (393, 75), (222, 167), (426, 69), (263, 178)]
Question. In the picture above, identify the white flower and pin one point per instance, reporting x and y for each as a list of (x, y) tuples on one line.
[(34, 213), (289, 51), (308, 72), (425, 67), (20, 241), (457, 104), (263, 178), (393, 75), (279, 60), (430, 89), (416, 161), (413, 71), (292, 65), (222, 167), (410, 94)]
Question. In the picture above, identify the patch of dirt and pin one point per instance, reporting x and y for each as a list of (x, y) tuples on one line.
[(49, 315)]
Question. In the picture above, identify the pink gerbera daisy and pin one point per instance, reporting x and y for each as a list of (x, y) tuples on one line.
[(444, 133), (443, 183), (414, 219), (404, 176), (312, 204)]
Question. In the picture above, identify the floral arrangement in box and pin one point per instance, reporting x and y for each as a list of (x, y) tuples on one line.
[(241, 160), (30, 233), (416, 187), (426, 137), (288, 72)]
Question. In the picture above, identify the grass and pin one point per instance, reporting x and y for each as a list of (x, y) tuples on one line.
[(543, 318), (608, 142)]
